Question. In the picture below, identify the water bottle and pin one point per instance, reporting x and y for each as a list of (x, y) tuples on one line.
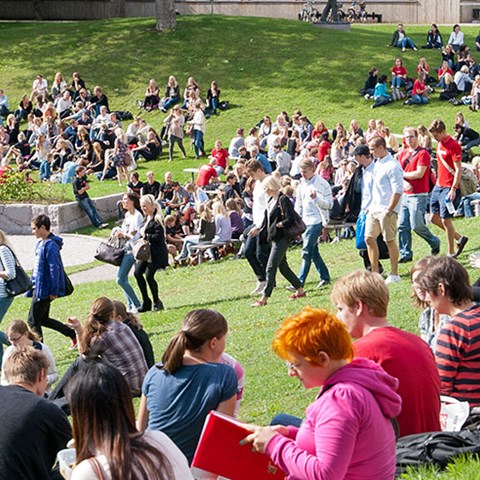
[(449, 205)]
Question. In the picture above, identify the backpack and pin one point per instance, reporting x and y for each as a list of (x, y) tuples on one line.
[(124, 115), (434, 448), (468, 182)]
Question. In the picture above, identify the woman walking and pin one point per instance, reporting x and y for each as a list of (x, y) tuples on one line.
[(130, 233), (278, 216), (153, 233)]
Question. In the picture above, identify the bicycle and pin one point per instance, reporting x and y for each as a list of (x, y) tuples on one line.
[(309, 13)]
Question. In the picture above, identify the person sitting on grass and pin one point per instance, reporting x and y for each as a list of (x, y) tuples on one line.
[(399, 75), (419, 93), (401, 40), (150, 150), (172, 94), (434, 38), (370, 83), (151, 96), (380, 95)]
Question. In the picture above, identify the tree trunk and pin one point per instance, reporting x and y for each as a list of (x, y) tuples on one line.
[(165, 12)]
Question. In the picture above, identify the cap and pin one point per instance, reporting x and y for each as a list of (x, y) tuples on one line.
[(361, 150)]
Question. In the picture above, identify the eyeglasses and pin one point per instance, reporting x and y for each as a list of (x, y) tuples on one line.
[(16, 339), (294, 366)]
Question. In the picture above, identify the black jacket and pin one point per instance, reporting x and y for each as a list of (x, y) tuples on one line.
[(155, 234), (283, 212)]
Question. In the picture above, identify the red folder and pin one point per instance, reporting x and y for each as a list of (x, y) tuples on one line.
[(219, 453)]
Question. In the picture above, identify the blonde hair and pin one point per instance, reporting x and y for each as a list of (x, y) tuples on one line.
[(367, 287), (272, 183), (219, 209), (24, 365), (150, 200)]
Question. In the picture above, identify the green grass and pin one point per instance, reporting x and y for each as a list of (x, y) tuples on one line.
[(262, 66)]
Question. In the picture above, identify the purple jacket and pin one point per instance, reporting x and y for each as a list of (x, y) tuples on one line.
[(347, 433)]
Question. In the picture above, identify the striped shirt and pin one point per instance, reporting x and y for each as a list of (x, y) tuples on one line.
[(7, 265), (458, 356)]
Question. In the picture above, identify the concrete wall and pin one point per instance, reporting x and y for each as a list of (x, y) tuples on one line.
[(65, 217), (407, 11)]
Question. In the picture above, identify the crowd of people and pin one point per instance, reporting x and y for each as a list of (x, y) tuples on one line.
[(283, 173), (457, 76)]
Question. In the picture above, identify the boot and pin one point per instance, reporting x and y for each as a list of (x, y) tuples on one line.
[(146, 306)]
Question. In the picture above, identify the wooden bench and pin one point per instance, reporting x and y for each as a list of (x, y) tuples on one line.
[(338, 227)]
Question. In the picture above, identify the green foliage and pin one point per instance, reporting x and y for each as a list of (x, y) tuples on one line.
[(15, 185)]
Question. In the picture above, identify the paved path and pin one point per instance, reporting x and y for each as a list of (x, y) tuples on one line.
[(77, 250)]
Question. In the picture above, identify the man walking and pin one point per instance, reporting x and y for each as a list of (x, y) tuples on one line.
[(48, 278), (415, 162), (80, 187), (314, 200), (382, 214), (447, 190)]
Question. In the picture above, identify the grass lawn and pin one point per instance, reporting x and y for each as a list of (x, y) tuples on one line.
[(262, 66)]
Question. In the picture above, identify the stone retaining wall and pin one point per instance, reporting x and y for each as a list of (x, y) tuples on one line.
[(66, 217)]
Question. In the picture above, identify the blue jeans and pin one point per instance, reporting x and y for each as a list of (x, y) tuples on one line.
[(412, 217), (45, 173), (198, 143), (472, 144), (465, 206), (419, 99), (311, 254), (398, 82), (406, 42), (213, 107), (122, 279), (88, 207), (171, 102)]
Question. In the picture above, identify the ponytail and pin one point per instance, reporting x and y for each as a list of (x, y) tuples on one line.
[(172, 358)]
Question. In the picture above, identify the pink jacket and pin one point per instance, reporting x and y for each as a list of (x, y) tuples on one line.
[(347, 433)]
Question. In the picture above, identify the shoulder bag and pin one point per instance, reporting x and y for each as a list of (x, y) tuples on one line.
[(296, 228), (69, 288), (141, 250), (111, 251), (20, 283)]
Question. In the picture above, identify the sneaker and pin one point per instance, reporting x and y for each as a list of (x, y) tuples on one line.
[(415, 49), (462, 241), (405, 259), (392, 279), (103, 225), (290, 288), (260, 288), (133, 310), (73, 345), (366, 96), (403, 49), (323, 283)]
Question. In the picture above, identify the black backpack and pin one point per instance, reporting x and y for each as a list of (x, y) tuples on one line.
[(434, 448)]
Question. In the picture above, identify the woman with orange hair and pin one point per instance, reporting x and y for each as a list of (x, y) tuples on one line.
[(347, 432)]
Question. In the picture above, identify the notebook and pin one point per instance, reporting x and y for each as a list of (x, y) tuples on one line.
[(219, 453)]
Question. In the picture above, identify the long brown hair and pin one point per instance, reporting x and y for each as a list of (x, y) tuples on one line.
[(125, 316), (21, 328), (103, 420), (198, 327), (101, 313)]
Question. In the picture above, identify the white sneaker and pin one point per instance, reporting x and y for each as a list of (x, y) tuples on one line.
[(133, 310), (392, 279), (260, 288)]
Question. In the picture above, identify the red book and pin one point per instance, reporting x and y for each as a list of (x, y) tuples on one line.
[(219, 453)]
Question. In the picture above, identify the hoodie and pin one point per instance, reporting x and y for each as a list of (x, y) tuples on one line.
[(347, 432), (48, 277)]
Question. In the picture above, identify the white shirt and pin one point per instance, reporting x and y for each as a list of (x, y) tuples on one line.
[(132, 223), (387, 181), (456, 38), (314, 210), (178, 462), (199, 121), (367, 182), (259, 204)]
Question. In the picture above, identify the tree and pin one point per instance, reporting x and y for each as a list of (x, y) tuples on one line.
[(165, 12)]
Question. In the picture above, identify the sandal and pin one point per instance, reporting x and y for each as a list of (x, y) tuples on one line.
[(296, 295), (259, 303)]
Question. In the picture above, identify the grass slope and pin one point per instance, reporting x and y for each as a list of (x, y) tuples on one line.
[(262, 66)]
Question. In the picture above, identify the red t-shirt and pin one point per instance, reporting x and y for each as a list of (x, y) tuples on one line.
[(407, 357), (205, 174), (441, 72), (323, 150), (418, 86), (420, 159), (450, 151), (221, 157), (399, 71)]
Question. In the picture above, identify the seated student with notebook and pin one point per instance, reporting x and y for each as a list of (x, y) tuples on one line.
[(347, 433)]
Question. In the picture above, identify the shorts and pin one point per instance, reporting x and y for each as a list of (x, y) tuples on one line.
[(381, 222), (437, 201)]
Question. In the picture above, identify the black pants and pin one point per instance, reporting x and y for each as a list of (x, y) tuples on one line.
[(149, 270), (257, 252), (39, 316)]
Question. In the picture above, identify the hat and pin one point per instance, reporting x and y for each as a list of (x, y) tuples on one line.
[(361, 150)]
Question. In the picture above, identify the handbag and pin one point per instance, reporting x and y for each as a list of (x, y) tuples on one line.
[(111, 251), (141, 250), (296, 227), (69, 288), (360, 232), (21, 283)]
